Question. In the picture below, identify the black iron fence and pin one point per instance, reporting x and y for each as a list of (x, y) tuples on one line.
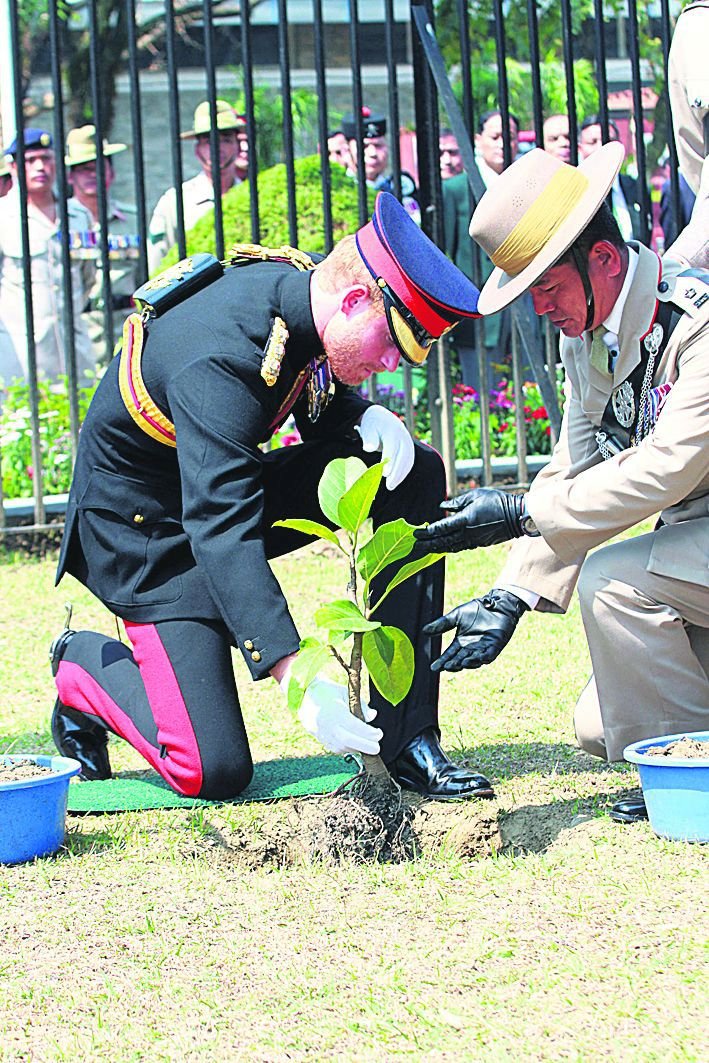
[(136, 70)]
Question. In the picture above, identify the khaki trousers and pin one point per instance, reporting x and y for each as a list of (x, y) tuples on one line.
[(648, 636)]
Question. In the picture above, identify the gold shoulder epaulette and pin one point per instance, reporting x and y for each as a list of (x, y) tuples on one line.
[(241, 253)]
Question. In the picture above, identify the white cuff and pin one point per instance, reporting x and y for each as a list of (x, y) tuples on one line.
[(530, 598)]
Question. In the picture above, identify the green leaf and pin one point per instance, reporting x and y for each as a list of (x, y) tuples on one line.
[(356, 503), (389, 543), (343, 615), (409, 570), (389, 657), (338, 477), (309, 527), (313, 656)]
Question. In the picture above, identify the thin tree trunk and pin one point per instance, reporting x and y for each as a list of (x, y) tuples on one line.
[(373, 764)]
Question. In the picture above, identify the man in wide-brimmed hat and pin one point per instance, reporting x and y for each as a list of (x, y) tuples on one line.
[(83, 174), (634, 442), (198, 192)]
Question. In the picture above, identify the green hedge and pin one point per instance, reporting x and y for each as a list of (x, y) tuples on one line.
[(273, 210)]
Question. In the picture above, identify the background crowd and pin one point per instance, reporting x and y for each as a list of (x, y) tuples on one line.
[(352, 144)]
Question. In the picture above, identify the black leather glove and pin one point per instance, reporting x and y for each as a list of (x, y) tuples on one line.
[(484, 627), (481, 517)]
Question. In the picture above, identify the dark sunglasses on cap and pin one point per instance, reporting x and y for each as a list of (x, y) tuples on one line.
[(411, 338)]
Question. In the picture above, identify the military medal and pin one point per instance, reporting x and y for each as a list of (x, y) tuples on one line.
[(623, 401), (653, 340), (320, 386), (275, 350)]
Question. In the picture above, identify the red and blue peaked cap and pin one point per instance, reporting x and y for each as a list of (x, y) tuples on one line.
[(425, 294)]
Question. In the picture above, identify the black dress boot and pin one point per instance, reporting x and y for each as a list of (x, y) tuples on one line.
[(76, 734), (422, 766), (629, 810)]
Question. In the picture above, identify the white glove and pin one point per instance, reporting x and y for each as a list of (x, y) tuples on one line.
[(381, 429), (325, 714)]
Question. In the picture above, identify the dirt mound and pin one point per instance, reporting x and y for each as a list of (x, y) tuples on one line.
[(351, 828)]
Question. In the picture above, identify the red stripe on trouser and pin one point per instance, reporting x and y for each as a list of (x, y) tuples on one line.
[(182, 767)]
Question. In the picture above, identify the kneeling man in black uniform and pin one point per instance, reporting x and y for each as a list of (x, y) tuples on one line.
[(171, 511)]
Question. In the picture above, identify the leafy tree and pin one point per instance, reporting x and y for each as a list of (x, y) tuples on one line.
[(480, 28), (354, 638)]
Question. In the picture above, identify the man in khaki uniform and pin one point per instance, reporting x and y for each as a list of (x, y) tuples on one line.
[(123, 241), (634, 443), (198, 192)]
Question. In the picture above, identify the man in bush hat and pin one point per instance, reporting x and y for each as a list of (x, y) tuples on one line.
[(371, 130), (198, 192), (170, 520), (633, 443), (45, 242), (81, 162)]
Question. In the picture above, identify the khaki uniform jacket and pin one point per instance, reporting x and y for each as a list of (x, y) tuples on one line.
[(47, 292), (197, 199), (580, 501), (124, 274)]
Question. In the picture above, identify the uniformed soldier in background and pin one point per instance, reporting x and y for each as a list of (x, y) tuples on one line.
[(198, 191), (171, 511), (372, 129), (81, 162)]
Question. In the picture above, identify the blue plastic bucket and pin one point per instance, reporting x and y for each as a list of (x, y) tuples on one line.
[(33, 811), (676, 789)]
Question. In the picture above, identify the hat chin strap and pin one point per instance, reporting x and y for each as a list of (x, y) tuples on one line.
[(582, 268)]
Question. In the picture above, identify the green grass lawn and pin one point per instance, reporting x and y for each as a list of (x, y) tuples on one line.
[(146, 937)]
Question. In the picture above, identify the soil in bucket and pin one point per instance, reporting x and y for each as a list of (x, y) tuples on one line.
[(686, 748), (22, 769)]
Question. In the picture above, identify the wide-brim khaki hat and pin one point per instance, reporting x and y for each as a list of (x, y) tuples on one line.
[(533, 213), (227, 118), (81, 146)]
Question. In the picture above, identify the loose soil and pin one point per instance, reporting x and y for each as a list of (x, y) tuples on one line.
[(687, 748), (22, 769), (351, 828)]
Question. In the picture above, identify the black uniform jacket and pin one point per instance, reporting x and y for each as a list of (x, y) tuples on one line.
[(159, 532)]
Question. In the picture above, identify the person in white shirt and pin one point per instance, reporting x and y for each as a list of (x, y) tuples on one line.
[(198, 192), (45, 247)]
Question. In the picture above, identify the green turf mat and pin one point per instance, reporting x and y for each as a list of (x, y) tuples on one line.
[(292, 777)]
